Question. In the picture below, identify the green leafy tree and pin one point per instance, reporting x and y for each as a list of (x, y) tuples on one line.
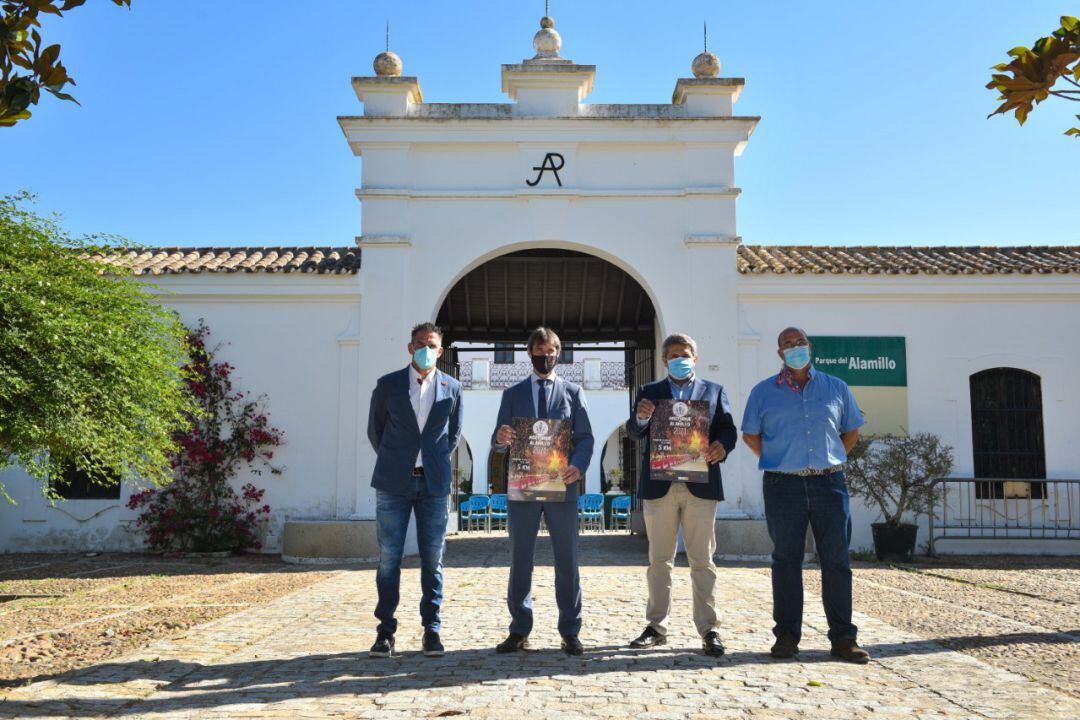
[(21, 46), (90, 363), (1033, 73)]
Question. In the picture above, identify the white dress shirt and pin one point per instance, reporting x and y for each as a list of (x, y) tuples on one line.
[(422, 397)]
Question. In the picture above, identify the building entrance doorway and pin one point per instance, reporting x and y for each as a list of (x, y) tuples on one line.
[(606, 321)]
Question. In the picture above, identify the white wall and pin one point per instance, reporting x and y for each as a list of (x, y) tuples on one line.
[(954, 327), (291, 337)]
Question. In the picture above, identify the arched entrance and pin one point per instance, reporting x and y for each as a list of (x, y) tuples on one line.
[(605, 318)]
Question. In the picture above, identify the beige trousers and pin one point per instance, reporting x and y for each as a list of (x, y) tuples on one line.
[(662, 520)]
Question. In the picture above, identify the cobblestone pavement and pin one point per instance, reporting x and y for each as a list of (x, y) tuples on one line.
[(304, 655)]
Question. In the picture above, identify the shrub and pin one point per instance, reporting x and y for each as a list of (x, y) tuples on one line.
[(199, 510), (895, 472)]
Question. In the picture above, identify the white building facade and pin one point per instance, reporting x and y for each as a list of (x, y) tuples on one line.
[(611, 224)]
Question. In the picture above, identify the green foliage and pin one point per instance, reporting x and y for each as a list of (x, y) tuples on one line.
[(21, 47), (1035, 71), (89, 362), (895, 472)]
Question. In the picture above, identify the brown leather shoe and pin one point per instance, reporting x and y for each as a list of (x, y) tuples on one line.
[(784, 647), (847, 649)]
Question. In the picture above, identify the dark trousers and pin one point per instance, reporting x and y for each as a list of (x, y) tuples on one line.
[(392, 514), (562, 524), (822, 501)]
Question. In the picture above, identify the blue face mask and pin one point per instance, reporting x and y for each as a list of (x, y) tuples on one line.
[(425, 358), (797, 357), (680, 368)]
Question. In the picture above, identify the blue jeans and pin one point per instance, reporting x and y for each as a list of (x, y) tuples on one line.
[(822, 501), (392, 518)]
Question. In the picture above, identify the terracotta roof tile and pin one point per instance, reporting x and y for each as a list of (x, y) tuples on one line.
[(751, 259), (176, 260), (798, 260)]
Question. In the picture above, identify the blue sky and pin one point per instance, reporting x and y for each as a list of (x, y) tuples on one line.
[(214, 123)]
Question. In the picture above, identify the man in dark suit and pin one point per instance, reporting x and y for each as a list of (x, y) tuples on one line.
[(545, 395), (414, 425), (669, 505)]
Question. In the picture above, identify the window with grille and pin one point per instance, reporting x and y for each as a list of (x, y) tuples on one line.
[(75, 484), (1007, 433), (504, 353), (566, 356)]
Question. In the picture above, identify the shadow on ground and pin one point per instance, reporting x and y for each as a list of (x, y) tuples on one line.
[(315, 676)]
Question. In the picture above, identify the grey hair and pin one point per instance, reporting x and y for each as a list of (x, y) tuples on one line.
[(680, 339)]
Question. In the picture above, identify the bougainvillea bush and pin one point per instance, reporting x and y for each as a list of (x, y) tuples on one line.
[(199, 511)]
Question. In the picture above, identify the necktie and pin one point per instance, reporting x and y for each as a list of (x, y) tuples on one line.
[(541, 401)]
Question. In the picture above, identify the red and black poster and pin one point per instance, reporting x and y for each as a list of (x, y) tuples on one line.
[(539, 455), (679, 436)]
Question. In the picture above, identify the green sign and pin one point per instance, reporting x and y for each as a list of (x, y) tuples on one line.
[(865, 361)]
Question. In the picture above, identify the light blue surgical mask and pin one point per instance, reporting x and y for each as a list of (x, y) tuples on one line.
[(680, 368), (425, 358), (797, 357)]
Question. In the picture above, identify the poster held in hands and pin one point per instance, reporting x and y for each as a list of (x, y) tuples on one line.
[(539, 455), (679, 439)]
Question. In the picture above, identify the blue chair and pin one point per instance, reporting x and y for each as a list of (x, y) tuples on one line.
[(620, 512), (481, 510), (497, 512), (591, 511)]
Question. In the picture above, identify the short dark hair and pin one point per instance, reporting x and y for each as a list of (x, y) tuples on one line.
[(792, 328), (426, 327), (680, 339), (541, 335)]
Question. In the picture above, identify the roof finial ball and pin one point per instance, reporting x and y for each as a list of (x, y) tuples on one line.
[(387, 64), (547, 41), (706, 65)]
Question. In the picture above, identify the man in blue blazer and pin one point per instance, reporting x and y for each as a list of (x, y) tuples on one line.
[(545, 395), (414, 425), (669, 505)]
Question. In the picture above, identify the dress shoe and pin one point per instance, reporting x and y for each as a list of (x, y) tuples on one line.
[(784, 647), (571, 645), (711, 644), (649, 638), (433, 646), (513, 643), (384, 646), (849, 650)]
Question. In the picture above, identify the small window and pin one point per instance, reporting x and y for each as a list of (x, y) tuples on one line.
[(566, 357), (75, 484), (504, 353)]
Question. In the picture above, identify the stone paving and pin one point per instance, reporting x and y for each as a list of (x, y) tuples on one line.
[(304, 656)]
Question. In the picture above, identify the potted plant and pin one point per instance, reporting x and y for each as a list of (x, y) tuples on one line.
[(895, 472), (615, 478)]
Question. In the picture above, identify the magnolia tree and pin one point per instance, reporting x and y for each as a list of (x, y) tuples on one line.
[(895, 472), (200, 510), (1033, 73)]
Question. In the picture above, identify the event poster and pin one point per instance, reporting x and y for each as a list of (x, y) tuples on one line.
[(679, 438), (538, 456)]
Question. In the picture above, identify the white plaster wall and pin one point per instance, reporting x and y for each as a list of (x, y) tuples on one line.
[(291, 337), (954, 327)]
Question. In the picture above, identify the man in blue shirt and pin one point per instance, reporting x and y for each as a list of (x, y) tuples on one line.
[(802, 423)]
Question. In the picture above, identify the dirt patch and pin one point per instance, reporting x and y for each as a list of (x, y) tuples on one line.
[(1021, 614), (61, 612)]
